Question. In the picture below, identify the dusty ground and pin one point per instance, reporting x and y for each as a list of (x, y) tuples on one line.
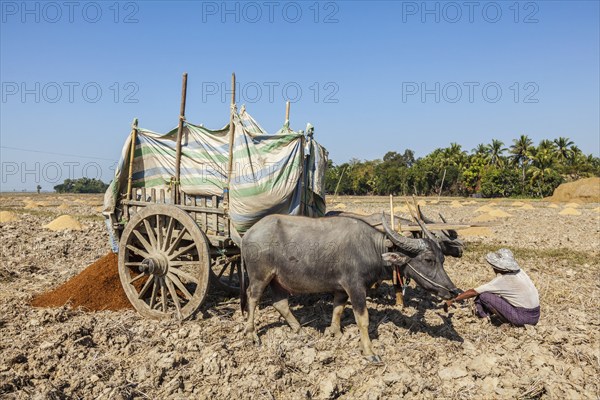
[(62, 353)]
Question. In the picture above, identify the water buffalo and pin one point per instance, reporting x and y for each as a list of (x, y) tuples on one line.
[(343, 256)]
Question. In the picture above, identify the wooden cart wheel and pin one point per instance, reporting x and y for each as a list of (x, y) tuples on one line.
[(225, 273), (164, 263)]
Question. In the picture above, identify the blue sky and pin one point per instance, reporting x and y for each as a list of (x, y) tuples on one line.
[(373, 76)]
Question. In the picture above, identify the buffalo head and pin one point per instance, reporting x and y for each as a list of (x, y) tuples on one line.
[(422, 260)]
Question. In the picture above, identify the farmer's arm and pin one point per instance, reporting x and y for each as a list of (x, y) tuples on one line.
[(463, 296)]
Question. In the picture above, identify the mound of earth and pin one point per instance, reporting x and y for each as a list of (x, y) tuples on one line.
[(485, 217), (455, 204), (583, 191), (570, 211), (527, 207), (7, 216), (486, 208), (64, 222), (96, 288), (499, 213)]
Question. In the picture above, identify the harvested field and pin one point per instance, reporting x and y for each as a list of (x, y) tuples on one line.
[(65, 352)]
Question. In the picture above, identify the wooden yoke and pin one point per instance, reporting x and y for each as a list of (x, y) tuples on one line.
[(176, 186)]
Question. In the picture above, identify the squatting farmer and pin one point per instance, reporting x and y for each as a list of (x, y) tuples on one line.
[(511, 295)]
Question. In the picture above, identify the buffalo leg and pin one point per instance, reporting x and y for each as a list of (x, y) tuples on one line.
[(361, 314), (280, 302), (255, 291), (339, 301)]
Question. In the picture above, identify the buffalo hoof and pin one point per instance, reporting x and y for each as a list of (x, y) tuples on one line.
[(252, 336), (374, 359)]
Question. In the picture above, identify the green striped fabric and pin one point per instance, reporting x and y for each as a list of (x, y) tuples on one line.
[(279, 173)]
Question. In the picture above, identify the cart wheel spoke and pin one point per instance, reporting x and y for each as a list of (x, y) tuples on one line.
[(143, 241), (174, 296), (180, 285), (137, 251), (150, 233), (230, 273), (182, 251), (137, 277), (168, 234), (153, 295), (220, 274), (146, 287), (163, 294), (183, 275), (176, 242)]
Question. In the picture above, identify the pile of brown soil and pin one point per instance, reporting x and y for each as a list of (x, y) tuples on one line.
[(584, 191), (96, 288)]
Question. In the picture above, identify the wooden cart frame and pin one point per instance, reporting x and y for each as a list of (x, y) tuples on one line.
[(173, 244)]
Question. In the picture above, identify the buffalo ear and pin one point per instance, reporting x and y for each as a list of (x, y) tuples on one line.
[(395, 258)]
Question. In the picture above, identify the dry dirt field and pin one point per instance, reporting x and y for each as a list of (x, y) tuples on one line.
[(62, 353)]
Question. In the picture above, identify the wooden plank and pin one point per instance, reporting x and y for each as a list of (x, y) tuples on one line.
[(153, 195), (204, 215), (215, 217), (212, 211), (162, 196), (143, 198)]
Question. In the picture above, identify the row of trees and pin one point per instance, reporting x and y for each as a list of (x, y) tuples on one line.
[(81, 185), (489, 170)]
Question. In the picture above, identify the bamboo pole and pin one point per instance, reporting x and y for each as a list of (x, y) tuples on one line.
[(392, 211), (131, 155), (231, 134), (287, 111), (179, 137)]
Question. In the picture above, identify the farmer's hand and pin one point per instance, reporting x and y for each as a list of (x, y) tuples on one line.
[(447, 305)]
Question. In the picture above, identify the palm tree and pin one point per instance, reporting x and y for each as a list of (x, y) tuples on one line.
[(495, 150), (520, 150), (452, 155), (543, 161), (563, 150)]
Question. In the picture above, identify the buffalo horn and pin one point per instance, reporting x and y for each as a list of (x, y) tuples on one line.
[(406, 244)]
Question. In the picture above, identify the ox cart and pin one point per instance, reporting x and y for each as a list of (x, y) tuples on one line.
[(180, 202)]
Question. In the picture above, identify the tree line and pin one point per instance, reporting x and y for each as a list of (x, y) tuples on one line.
[(488, 170), (81, 185)]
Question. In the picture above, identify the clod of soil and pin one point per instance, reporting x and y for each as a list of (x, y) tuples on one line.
[(96, 288), (7, 216), (570, 211), (584, 190), (63, 223)]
